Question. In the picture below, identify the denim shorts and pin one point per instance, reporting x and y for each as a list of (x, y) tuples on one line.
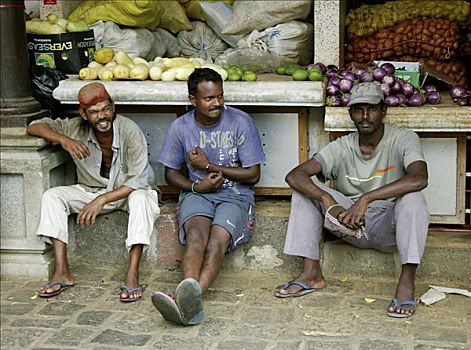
[(235, 216)]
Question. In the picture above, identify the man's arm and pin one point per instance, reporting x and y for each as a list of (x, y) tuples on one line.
[(87, 216), (416, 179), (211, 183), (299, 179), (249, 175), (76, 149)]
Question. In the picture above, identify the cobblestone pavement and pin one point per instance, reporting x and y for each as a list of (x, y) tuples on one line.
[(241, 313)]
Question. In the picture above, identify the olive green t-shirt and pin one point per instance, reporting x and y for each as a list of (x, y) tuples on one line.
[(355, 173)]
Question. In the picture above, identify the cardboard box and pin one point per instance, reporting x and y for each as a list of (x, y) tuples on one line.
[(61, 8), (408, 71), (68, 52)]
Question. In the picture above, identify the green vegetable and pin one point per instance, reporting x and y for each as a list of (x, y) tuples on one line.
[(300, 74)]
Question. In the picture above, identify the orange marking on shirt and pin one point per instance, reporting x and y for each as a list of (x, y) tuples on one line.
[(391, 167)]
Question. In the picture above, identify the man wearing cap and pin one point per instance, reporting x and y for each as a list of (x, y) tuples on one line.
[(113, 173), (379, 171)]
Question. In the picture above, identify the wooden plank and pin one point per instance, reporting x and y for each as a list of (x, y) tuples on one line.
[(303, 135)]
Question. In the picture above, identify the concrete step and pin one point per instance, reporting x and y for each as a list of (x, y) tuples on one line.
[(447, 256)]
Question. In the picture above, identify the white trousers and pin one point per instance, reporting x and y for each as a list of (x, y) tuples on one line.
[(403, 227), (58, 203)]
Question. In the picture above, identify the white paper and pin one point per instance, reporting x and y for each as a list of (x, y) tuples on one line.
[(464, 292)]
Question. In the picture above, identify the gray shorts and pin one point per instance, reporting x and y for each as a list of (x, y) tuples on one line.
[(235, 216)]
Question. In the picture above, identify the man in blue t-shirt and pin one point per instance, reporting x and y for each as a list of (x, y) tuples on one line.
[(221, 149)]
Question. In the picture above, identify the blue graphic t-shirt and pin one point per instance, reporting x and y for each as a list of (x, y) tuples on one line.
[(234, 141)]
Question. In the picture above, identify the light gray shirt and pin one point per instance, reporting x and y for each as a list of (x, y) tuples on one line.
[(129, 166), (356, 173)]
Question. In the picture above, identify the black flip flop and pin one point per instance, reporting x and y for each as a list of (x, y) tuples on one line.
[(63, 287)]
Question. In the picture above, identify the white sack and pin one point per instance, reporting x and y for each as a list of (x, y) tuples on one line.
[(201, 42)]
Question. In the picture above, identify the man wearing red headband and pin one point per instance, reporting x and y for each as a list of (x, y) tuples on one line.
[(113, 173)]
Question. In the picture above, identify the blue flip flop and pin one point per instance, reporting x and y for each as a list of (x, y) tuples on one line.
[(398, 305), (129, 291), (62, 284), (189, 301), (167, 307), (306, 289)]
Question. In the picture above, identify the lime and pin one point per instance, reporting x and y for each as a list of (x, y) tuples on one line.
[(234, 76), (291, 68), (231, 70), (315, 74), (249, 76), (300, 74), (240, 71), (281, 69)]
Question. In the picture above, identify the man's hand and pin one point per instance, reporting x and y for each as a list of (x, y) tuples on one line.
[(354, 217), (76, 149), (198, 158), (88, 214), (211, 183)]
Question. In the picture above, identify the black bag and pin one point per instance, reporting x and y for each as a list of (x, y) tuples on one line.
[(43, 82)]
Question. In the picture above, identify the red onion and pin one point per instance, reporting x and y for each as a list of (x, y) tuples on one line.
[(402, 99), (415, 101), (386, 89), (389, 68), (457, 92), (335, 81), (392, 101), (331, 73), (379, 74), (345, 85), (332, 101), (350, 76), (407, 89), (332, 90), (388, 79), (396, 87), (321, 67), (366, 77), (430, 88), (433, 97), (344, 100), (464, 102)]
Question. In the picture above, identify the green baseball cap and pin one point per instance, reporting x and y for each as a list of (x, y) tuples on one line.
[(369, 93)]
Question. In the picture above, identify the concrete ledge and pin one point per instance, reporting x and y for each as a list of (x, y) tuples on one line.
[(446, 257)]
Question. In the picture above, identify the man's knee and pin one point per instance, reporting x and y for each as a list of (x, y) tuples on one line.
[(218, 241), (54, 194), (414, 201), (142, 199)]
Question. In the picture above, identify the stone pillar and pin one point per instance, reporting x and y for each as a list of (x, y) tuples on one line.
[(17, 104), (29, 165), (329, 31)]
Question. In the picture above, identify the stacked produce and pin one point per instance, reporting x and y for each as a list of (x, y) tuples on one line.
[(109, 65), (55, 25), (420, 37), (461, 96), (397, 91), (313, 72), (368, 19), (425, 31)]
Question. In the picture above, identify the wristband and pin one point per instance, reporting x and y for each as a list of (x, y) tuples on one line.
[(193, 187)]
